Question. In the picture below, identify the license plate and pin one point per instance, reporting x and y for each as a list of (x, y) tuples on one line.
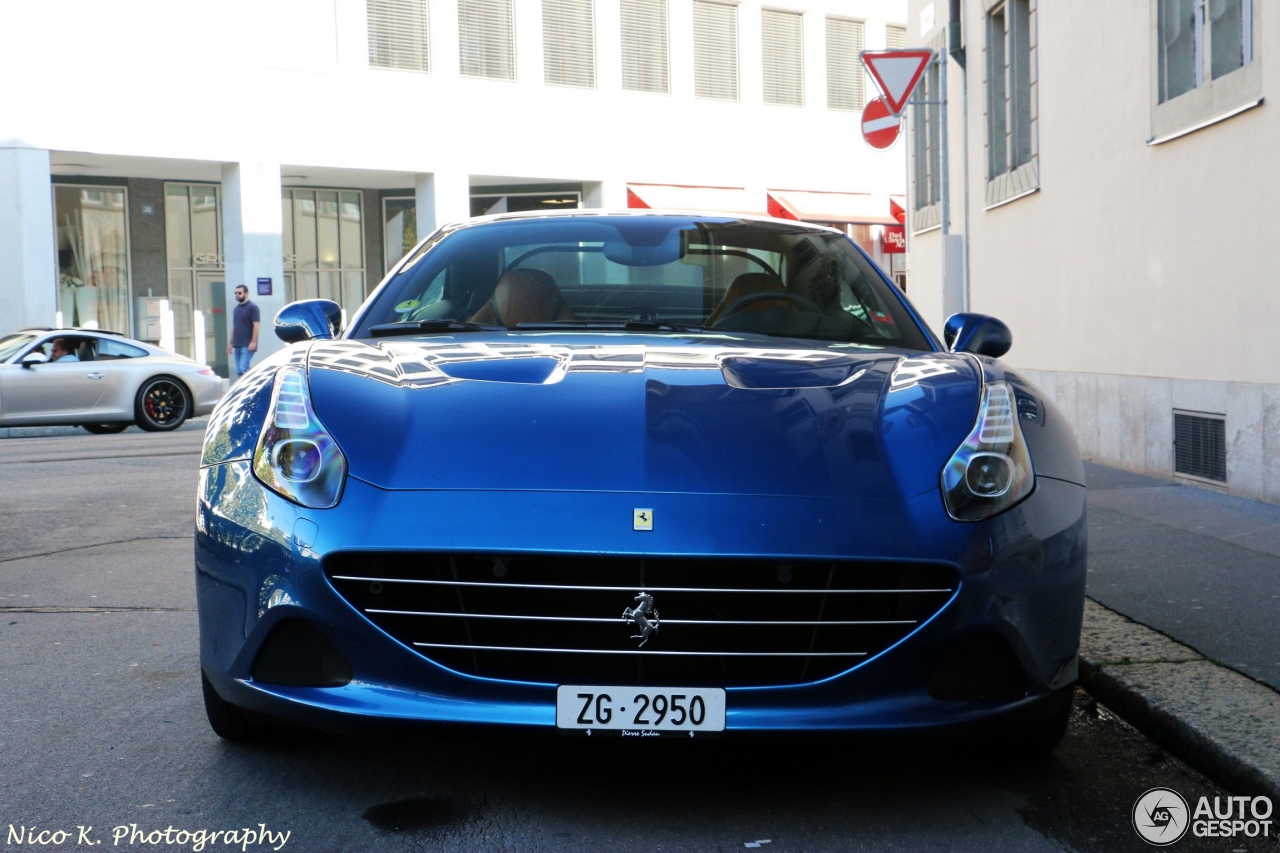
[(640, 711)]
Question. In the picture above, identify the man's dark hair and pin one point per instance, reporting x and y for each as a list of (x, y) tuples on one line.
[(61, 344), (242, 287)]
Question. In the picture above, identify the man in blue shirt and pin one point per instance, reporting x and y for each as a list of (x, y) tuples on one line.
[(245, 321), (63, 351)]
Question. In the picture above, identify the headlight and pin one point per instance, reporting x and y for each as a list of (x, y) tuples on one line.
[(991, 471), (296, 458)]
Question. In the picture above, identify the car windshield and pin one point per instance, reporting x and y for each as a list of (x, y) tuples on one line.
[(11, 344), (670, 272)]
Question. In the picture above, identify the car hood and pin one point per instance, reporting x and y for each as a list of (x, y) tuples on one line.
[(708, 415)]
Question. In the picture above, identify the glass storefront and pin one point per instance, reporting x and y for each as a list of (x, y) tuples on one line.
[(323, 237), (197, 282), (93, 256), (399, 228)]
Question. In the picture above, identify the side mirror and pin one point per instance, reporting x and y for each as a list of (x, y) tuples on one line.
[(309, 320), (978, 334), (31, 359)]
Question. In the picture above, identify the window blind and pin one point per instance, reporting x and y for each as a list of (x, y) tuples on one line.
[(845, 78), (569, 43), (783, 57), (715, 50), (398, 35), (644, 45), (486, 44)]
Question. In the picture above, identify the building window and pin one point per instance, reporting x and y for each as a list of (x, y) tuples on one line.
[(569, 43), (895, 36), (398, 36), (399, 228), (1201, 40), (1010, 88), (93, 256), (197, 281), (715, 50), (783, 55), (846, 81), (486, 39), (484, 205), (926, 144), (644, 45), (323, 241)]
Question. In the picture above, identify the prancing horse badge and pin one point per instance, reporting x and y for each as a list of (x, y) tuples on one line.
[(642, 519)]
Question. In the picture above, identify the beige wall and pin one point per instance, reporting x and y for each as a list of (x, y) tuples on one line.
[(1131, 259)]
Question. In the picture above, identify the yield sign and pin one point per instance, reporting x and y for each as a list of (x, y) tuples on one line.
[(896, 73), (878, 127)]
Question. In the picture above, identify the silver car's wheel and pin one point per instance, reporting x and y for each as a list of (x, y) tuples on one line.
[(163, 403), (105, 429)]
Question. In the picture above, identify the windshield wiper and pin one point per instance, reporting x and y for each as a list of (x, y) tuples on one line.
[(427, 327), (627, 326)]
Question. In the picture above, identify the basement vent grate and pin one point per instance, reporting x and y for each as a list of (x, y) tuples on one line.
[(1200, 446)]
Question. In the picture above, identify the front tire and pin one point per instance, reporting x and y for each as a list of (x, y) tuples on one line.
[(105, 429), (162, 404), (1039, 735), (228, 721)]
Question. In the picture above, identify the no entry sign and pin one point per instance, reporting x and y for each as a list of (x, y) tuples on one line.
[(879, 126)]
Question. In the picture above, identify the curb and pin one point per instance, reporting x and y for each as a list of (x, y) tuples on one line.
[(1219, 721)]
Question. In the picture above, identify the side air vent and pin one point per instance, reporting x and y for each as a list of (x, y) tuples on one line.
[(298, 654), (1200, 446), (981, 668)]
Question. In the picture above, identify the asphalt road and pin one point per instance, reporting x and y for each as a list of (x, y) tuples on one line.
[(101, 725)]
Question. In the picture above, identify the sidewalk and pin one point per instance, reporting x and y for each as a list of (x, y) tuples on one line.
[(1200, 566), (1203, 570)]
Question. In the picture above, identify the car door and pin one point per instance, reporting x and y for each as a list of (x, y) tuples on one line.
[(55, 391)]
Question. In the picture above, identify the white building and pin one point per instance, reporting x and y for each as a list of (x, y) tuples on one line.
[(175, 150), (1115, 171)]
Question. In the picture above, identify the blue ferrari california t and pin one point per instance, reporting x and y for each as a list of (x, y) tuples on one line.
[(639, 474)]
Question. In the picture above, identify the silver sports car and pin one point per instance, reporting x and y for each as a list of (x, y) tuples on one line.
[(101, 381)]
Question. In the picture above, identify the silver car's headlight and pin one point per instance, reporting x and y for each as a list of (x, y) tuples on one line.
[(991, 471), (296, 457)]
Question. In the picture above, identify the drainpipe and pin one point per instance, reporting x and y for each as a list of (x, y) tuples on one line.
[(955, 47)]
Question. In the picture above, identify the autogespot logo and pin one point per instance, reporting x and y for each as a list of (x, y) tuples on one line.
[(1160, 816)]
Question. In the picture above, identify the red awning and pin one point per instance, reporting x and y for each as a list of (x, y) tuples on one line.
[(669, 197), (844, 208)]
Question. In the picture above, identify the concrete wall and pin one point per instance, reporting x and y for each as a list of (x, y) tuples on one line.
[(1127, 421)]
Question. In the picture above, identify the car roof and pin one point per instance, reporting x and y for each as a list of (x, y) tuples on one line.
[(75, 331)]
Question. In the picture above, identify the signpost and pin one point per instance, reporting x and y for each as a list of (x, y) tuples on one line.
[(879, 127)]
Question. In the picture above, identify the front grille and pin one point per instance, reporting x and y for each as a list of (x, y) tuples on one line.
[(722, 622)]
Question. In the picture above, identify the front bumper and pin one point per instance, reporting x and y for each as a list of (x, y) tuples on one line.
[(205, 393), (258, 562)]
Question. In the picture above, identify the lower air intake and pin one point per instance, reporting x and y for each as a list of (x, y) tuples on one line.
[(981, 668), (298, 654)]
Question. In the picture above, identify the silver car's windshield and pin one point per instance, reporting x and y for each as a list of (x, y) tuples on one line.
[(10, 345), (682, 272)]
